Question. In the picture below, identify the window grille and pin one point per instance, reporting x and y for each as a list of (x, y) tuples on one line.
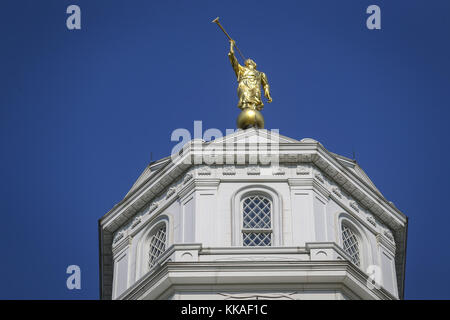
[(257, 221), (350, 244), (157, 245)]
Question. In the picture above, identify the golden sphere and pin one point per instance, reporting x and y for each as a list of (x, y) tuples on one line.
[(250, 118)]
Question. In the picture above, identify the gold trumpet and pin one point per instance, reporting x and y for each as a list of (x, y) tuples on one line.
[(216, 20)]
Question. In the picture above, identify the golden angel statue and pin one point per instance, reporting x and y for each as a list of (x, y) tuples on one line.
[(250, 81)]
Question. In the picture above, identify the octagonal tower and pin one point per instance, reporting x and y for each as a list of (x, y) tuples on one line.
[(218, 221)]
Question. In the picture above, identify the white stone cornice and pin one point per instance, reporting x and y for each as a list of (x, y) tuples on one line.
[(198, 184), (159, 186), (320, 188), (325, 264), (206, 183), (299, 182), (389, 244), (337, 192), (121, 245), (186, 189), (359, 189), (148, 190)]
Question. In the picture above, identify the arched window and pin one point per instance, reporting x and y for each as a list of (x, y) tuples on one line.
[(157, 245), (351, 244), (256, 221), (151, 243)]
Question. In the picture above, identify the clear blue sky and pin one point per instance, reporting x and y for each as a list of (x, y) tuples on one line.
[(81, 111)]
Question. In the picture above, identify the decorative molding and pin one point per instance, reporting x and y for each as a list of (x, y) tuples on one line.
[(302, 170), (388, 234), (210, 183), (119, 236), (187, 177), (259, 258), (319, 188), (278, 171), (253, 170), (204, 171), (229, 170), (258, 296), (170, 192), (371, 220), (337, 192), (319, 177), (136, 221), (153, 207), (354, 205)]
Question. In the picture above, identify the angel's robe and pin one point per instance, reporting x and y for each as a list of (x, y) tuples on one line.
[(249, 85)]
